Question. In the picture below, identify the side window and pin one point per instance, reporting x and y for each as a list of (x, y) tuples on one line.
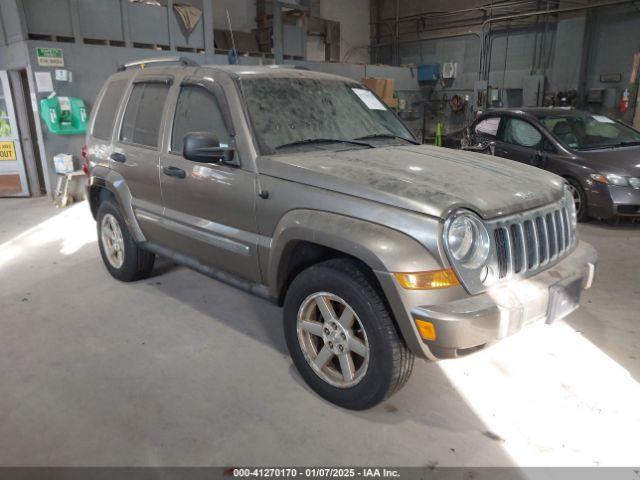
[(197, 110), (107, 110), (521, 132), (141, 122), (488, 127)]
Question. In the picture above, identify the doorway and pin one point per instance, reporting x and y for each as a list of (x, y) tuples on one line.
[(20, 169)]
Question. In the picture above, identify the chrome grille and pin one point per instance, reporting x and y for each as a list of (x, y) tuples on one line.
[(530, 241)]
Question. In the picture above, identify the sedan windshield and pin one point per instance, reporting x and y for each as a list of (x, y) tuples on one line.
[(312, 113), (590, 132)]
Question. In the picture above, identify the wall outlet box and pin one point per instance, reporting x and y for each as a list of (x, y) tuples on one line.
[(63, 75), (449, 70)]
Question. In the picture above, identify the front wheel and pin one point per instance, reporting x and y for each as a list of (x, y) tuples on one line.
[(579, 199), (341, 337)]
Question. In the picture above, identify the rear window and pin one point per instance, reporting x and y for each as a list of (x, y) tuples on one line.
[(106, 114), (142, 118)]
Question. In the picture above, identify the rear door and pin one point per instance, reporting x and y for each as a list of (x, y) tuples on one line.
[(136, 150), (209, 207)]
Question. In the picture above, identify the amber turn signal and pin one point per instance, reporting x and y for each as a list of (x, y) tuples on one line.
[(427, 329), (429, 280)]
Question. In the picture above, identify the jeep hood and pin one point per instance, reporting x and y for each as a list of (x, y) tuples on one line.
[(421, 178)]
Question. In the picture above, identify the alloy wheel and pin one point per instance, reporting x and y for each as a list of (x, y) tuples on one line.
[(112, 240), (577, 199), (333, 339)]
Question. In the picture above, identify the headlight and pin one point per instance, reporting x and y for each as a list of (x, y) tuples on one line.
[(467, 240), (571, 207), (611, 179), (617, 180)]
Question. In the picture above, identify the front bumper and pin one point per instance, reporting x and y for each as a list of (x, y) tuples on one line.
[(606, 201), (468, 324)]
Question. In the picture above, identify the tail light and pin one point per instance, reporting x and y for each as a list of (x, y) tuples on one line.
[(85, 163)]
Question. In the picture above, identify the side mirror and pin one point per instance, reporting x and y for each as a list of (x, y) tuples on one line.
[(205, 147)]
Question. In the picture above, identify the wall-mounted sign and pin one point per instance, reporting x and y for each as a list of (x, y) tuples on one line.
[(43, 81), (50, 57), (610, 77), (7, 151)]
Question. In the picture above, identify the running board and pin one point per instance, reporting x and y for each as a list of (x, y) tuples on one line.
[(256, 289)]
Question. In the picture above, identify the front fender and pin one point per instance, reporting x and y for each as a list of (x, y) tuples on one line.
[(383, 249)]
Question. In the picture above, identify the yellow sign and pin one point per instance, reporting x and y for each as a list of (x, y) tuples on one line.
[(7, 151)]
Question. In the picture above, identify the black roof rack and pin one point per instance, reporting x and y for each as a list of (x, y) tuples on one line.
[(155, 60)]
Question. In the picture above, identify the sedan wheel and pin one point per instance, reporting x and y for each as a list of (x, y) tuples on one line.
[(576, 197), (579, 199), (333, 340)]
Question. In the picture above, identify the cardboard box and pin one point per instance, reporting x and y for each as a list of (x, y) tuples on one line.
[(382, 87)]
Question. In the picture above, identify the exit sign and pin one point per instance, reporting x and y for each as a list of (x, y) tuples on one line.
[(50, 57)]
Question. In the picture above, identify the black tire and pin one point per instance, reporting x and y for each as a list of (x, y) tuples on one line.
[(583, 212), (390, 361), (137, 263)]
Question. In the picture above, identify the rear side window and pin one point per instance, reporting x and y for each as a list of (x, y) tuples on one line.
[(197, 110), (488, 127), (106, 114), (142, 118)]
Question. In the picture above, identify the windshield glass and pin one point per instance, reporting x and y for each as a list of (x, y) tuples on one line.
[(312, 113), (590, 132)]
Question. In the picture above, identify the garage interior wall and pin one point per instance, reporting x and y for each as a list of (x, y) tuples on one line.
[(97, 36), (572, 50)]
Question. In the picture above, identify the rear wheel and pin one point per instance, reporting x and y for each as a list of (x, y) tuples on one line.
[(341, 336), (579, 199), (124, 259)]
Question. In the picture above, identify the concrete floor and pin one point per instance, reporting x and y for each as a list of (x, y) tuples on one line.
[(182, 370)]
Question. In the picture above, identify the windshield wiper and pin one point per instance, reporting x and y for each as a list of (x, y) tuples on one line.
[(387, 135), (628, 144), (323, 140)]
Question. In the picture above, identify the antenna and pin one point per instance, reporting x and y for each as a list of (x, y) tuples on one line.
[(233, 41)]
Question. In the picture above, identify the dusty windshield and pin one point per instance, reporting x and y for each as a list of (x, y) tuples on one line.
[(312, 113), (590, 132)]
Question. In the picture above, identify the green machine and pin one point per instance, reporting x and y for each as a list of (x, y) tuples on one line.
[(64, 115)]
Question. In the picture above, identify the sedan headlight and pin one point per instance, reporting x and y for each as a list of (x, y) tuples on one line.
[(617, 180), (467, 240)]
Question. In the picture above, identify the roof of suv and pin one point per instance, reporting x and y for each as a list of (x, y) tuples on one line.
[(279, 71), (254, 71)]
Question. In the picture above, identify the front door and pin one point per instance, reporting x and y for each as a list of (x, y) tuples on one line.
[(209, 207), (13, 177)]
